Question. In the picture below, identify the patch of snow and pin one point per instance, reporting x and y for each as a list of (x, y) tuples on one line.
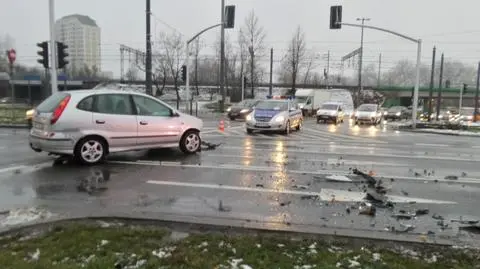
[(25, 215), (433, 259), (258, 245), (451, 132), (280, 245), (35, 256), (163, 252), (245, 266), (304, 266), (376, 257), (338, 265), (353, 263), (104, 242), (137, 265), (203, 244)]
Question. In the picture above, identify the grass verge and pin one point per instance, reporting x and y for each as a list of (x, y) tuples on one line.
[(71, 246)]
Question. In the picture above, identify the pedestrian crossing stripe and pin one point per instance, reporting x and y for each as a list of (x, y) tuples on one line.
[(305, 134)]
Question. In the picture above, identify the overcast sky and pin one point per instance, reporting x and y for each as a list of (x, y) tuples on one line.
[(450, 25)]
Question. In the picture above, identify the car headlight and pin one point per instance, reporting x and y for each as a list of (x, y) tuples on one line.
[(470, 117), (249, 116), (228, 109), (244, 110), (398, 113), (279, 119), (385, 113)]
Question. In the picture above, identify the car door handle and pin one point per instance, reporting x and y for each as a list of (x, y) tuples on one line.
[(99, 121), (143, 123)]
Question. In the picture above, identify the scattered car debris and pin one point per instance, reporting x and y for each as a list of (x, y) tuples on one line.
[(465, 222), (259, 185), (406, 216), (370, 180), (301, 187), (210, 146), (423, 211), (451, 177), (367, 209), (223, 208)]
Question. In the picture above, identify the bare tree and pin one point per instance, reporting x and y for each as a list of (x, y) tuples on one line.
[(131, 74), (294, 60), (173, 47), (309, 66), (253, 39)]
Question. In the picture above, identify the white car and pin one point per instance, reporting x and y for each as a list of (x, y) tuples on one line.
[(90, 124), (368, 113), (330, 111)]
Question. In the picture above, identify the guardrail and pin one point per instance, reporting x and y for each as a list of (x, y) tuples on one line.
[(13, 114)]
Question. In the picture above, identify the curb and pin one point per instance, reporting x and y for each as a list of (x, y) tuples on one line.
[(248, 226), (14, 126)]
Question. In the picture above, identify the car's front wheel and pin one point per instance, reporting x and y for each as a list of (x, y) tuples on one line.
[(190, 142), (90, 150)]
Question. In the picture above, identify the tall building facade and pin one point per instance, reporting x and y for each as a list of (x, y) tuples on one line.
[(82, 36)]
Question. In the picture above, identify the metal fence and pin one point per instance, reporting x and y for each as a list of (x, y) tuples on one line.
[(13, 114)]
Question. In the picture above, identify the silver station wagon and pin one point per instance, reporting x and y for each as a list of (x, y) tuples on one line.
[(90, 124)]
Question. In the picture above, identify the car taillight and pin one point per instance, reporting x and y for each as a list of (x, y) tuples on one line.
[(59, 110)]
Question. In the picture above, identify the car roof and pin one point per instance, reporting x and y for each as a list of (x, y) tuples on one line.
[(86, 92), (333, 103)]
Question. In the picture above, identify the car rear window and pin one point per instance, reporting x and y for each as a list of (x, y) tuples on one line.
[(49, 104)]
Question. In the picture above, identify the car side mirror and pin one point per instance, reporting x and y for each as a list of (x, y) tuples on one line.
[(174, 113)]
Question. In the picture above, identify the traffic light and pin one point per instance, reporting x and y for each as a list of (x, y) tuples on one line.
[(465, 88), (335, 17), (62, 55), (229, 17), (43, 53), (184, 73)]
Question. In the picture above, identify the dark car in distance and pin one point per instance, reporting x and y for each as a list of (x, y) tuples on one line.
[(242, 109), (396, 113)]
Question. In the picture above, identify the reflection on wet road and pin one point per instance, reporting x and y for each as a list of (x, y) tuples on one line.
[(269, 178)]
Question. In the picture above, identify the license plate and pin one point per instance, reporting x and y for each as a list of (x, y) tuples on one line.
[(323, 117), (38, 126), (234, 114), (261, 124)]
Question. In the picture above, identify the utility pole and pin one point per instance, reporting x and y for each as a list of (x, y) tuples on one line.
[(430, 94), (439, 95), (328, 69), (379, 70), (148, 60), (53, 46), (222, 56), (270, 89), (475, 113), (360, 62), (252, 66)]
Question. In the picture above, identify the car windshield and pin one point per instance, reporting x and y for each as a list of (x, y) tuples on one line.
[(275, 105), (301, 99), (246, 103), (329, 107), (369, 108)]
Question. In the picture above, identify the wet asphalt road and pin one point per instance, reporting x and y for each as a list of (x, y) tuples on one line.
[(267, 178)]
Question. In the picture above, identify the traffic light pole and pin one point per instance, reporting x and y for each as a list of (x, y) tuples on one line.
[(53, 46), (187, 60), (417, 71)]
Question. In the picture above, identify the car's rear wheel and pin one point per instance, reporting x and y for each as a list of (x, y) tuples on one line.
[(299, 126), (190, 142), (91, 150)]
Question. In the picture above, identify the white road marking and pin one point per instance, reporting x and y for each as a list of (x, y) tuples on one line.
[(12, 168), (431, 145), (287, 171), (324, 194), (353, 153), (331, 161)]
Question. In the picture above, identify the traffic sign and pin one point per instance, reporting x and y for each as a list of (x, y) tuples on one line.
[(12, 55)]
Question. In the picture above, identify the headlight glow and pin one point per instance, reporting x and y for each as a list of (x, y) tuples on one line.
[(249, 116), (228, 109), (385, 113), (398, 113), (279, 119), (244, 110)]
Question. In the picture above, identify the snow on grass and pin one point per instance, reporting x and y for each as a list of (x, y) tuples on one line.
[(25, 215)]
